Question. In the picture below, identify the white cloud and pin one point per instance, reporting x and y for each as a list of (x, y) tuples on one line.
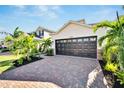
[(43, 11), (43, 8), (49, 11), (20, 6), (102, 15)]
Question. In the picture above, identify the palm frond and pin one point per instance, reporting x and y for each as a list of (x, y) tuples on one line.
[(104, 24), (5, 33), (110, 45), (101, 39), (17, 32)]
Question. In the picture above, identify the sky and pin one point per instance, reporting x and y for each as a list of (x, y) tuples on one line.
[(28, 17)]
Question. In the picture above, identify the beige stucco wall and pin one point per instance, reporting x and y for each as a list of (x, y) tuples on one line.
[(73, 30)]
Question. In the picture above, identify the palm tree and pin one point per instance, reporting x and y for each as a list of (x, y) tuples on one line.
[(16, 33), (121, 43), (9, 39), (45, 44), (114, 40)]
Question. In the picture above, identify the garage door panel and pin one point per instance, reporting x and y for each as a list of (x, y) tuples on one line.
[(83, 46)]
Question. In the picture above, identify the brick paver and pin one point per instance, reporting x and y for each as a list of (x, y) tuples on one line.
[(26, 84), (64, 71)]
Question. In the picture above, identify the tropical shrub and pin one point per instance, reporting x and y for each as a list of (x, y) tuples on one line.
[(113, 48), (20, 61), (120, 76), (10, 37), (112, 67), (49, 52), (25, 45), (45, 44), (22, 44), (114, 40)]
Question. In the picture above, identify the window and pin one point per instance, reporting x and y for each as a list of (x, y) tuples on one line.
[(69, 40), (65, 41), (42, 33), (58, 41), (39, 34), (79, 40), (92, 39), (86, 39), (61, 41), (74, 40)]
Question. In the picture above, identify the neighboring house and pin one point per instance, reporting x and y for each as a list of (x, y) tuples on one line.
[(77, 38), (43, 32)]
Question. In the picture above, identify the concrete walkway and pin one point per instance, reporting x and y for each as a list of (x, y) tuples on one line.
[(26, 84), (64, 71)]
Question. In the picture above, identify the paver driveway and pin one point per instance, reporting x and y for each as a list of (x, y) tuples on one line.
[(65, 71)]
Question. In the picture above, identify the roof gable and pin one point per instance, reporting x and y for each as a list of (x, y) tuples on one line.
[(42, 28), (72, 22)]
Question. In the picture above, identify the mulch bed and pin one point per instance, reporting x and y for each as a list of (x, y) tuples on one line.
[(25, 61), (110, 77)]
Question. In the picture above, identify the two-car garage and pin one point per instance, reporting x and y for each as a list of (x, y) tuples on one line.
[(76, 38), (81, 46)]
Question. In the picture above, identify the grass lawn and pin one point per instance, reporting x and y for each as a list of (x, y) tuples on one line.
[(4, 68), (9, 57), (5, 58)]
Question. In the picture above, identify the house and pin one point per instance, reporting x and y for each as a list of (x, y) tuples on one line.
[(43, 32), (76, 38)]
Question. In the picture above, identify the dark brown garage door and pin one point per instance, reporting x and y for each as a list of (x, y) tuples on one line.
[(82, 46)]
